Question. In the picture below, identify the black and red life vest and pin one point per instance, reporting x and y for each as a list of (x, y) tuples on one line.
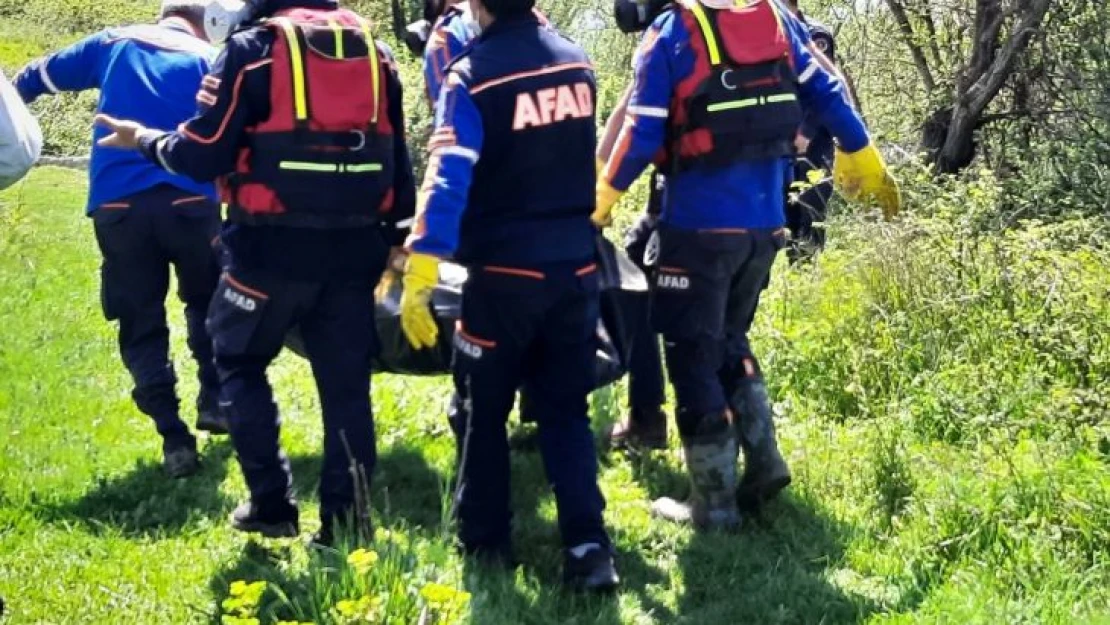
[(741, 101), (324, 157)]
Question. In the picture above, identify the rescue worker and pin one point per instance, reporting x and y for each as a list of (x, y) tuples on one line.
[(718, 96), (645, 425), (301, 124), (148, 219), (453, 29), (508, 194), (807, 204)]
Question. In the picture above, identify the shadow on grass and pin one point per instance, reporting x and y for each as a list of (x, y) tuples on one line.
[(145, 503), (776, 570), (532, 593), (403, 486)]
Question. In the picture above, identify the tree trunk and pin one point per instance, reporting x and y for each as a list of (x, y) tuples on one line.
[(949, 134)]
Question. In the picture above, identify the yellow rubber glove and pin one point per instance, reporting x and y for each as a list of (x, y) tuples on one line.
[(862, 176), (417, 322), (599, 166), (606, 197)]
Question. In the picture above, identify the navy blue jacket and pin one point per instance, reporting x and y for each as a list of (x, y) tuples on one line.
[(511, 176), (235, 97), (820, 152)]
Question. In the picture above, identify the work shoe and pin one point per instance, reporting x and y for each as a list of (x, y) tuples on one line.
[(765, 471), (210, 417), (279, 521), (643, 429), (590, 568), (711, 462), (179, 458), (498, 557)]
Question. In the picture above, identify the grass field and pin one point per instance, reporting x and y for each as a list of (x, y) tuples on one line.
[(945, 480)]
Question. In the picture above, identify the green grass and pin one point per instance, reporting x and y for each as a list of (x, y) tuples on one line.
[(910, 505)]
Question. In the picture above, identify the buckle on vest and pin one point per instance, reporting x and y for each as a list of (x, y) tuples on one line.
[(361, 140)]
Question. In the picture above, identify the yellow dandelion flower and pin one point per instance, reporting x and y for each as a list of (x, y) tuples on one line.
[(237, 588), (362, 560), (441, 595)]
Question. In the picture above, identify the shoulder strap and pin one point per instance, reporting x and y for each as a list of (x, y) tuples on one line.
[(295, 41)]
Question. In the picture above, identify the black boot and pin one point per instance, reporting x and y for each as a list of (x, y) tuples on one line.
[(277, 520), (179, 457), (590, 568), (765, 470), (210, 417), (711, 461)]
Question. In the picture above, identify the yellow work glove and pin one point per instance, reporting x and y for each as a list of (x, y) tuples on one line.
[(417, 322), (606, 197), (862, 176)]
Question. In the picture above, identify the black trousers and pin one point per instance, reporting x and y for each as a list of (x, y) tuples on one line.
[(805, 211), (141, 237), (535, 329), (250, 315), (707, 288)]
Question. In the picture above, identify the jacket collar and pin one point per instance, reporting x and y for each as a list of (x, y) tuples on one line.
[(505, 24)]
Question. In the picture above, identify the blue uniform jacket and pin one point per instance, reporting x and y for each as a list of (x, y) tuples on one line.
[(235, 97), (451, 33), (149, 73), (743, 195), (511, 173)]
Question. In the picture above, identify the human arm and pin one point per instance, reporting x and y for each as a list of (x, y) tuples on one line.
[(76, 68)]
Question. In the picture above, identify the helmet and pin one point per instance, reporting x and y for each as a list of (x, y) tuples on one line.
[(634, 16), (223, 17)]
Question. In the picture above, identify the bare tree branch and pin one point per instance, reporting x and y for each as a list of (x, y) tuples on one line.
[(919, 60)]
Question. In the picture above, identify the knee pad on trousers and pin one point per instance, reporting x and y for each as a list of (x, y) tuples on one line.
[(156, 400)]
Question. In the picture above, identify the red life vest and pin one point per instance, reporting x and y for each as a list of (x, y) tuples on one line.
[(324, 157), (741, 101)]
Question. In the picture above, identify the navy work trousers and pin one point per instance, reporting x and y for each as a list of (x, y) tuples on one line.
[(140, 238), (707, 288), (804, 211), (250, 315), (645, 365), (537, 329)]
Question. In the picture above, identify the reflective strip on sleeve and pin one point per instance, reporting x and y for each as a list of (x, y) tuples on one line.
[(404, 223), (808, 73), (46, 81), (461, 152), (649, 111)]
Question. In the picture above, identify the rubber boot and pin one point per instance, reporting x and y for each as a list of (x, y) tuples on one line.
[(711, 461), (645, 428), (765, 470)]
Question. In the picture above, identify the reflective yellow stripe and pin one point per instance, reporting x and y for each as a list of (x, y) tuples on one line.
[(300, 100), (375, 74), (337, 30), (733, 104), (358, 169), (706, 31), (784, 97), (303, 166), (329, 168)]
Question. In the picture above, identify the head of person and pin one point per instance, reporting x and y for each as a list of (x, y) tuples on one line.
[(189, 12), (488, 11), (792, 5)]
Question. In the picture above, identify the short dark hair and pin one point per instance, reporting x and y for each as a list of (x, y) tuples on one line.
[(192, 13), (506, 8)]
